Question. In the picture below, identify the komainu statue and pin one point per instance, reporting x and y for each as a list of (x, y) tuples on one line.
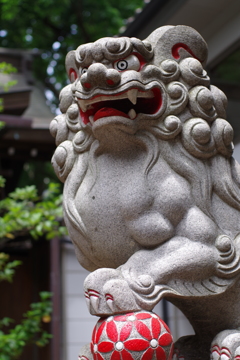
[(152, 193)]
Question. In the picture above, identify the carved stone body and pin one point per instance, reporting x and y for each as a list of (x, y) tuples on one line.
[(151, 195)]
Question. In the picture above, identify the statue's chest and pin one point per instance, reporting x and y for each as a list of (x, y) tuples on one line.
[(114, 185), (125, 206), (122, 190), (104, 200)]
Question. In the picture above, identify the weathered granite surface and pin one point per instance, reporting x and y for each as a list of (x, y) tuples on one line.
[(151, 195)]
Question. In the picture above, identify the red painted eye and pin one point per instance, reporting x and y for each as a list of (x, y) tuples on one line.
[(129, 63), (72, 75), (83, 71)]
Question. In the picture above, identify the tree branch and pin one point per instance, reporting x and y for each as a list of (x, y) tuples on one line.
[(77, 5)]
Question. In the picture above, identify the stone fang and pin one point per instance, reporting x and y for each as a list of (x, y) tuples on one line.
[(91, 119), (132, 95), (132, 114), (82, 105)]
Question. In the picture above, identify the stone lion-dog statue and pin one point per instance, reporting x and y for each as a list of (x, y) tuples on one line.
[(152, 194)]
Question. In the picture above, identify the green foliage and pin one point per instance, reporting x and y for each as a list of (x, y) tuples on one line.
[(7, 268), (29, 331), (55, 27), (23, 213), (7, 69), (2, 181), (2, 123)]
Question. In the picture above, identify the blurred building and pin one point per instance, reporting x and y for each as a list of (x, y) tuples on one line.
[(25, 136), (25, 139)]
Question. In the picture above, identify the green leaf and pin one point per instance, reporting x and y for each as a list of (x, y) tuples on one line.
[(27, 193), (6, 68), (28, 331), (2, 180), (7, 268), (45, 295), (5, 322)]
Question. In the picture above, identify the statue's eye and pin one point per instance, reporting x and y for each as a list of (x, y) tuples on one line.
[(129, 63), (83, 71), (121, 65)]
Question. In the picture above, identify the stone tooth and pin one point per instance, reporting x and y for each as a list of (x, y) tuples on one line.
[(132, 95), (132, 114), (91, 119), (83, 105)]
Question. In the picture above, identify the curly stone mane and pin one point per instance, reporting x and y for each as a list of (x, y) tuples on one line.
[(196, 129)]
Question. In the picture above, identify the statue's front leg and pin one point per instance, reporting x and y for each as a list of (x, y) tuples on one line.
[(148, 275)]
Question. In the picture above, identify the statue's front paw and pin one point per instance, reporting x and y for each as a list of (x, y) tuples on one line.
[(85, 353), (107, 293), (226, 345)]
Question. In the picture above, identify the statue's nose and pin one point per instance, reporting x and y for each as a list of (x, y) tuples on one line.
[(98, 75)]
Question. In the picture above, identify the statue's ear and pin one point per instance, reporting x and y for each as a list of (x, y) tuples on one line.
[(177, 42), (71, 66)]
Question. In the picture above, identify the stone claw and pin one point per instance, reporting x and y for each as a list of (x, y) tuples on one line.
[(107, 293), (109, 299), (85, 353), (92, 299), (226, 346)]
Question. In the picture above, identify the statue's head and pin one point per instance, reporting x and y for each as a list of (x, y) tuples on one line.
[(158, 85), (131, 82)]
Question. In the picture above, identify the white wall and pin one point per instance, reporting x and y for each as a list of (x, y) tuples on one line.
[(77, 322), (178, 323)]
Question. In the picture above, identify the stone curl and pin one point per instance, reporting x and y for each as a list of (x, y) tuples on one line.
[(203, 140), (193, 73), (63, 160)]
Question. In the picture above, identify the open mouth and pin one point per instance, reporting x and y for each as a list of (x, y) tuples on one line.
[(127, 104)]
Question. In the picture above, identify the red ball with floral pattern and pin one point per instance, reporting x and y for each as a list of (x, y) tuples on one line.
[(138, 335)]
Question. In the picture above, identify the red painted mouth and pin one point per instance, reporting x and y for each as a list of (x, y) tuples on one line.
[(122, 107)]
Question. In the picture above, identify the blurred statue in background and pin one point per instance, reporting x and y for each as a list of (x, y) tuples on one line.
[(152, 193)]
